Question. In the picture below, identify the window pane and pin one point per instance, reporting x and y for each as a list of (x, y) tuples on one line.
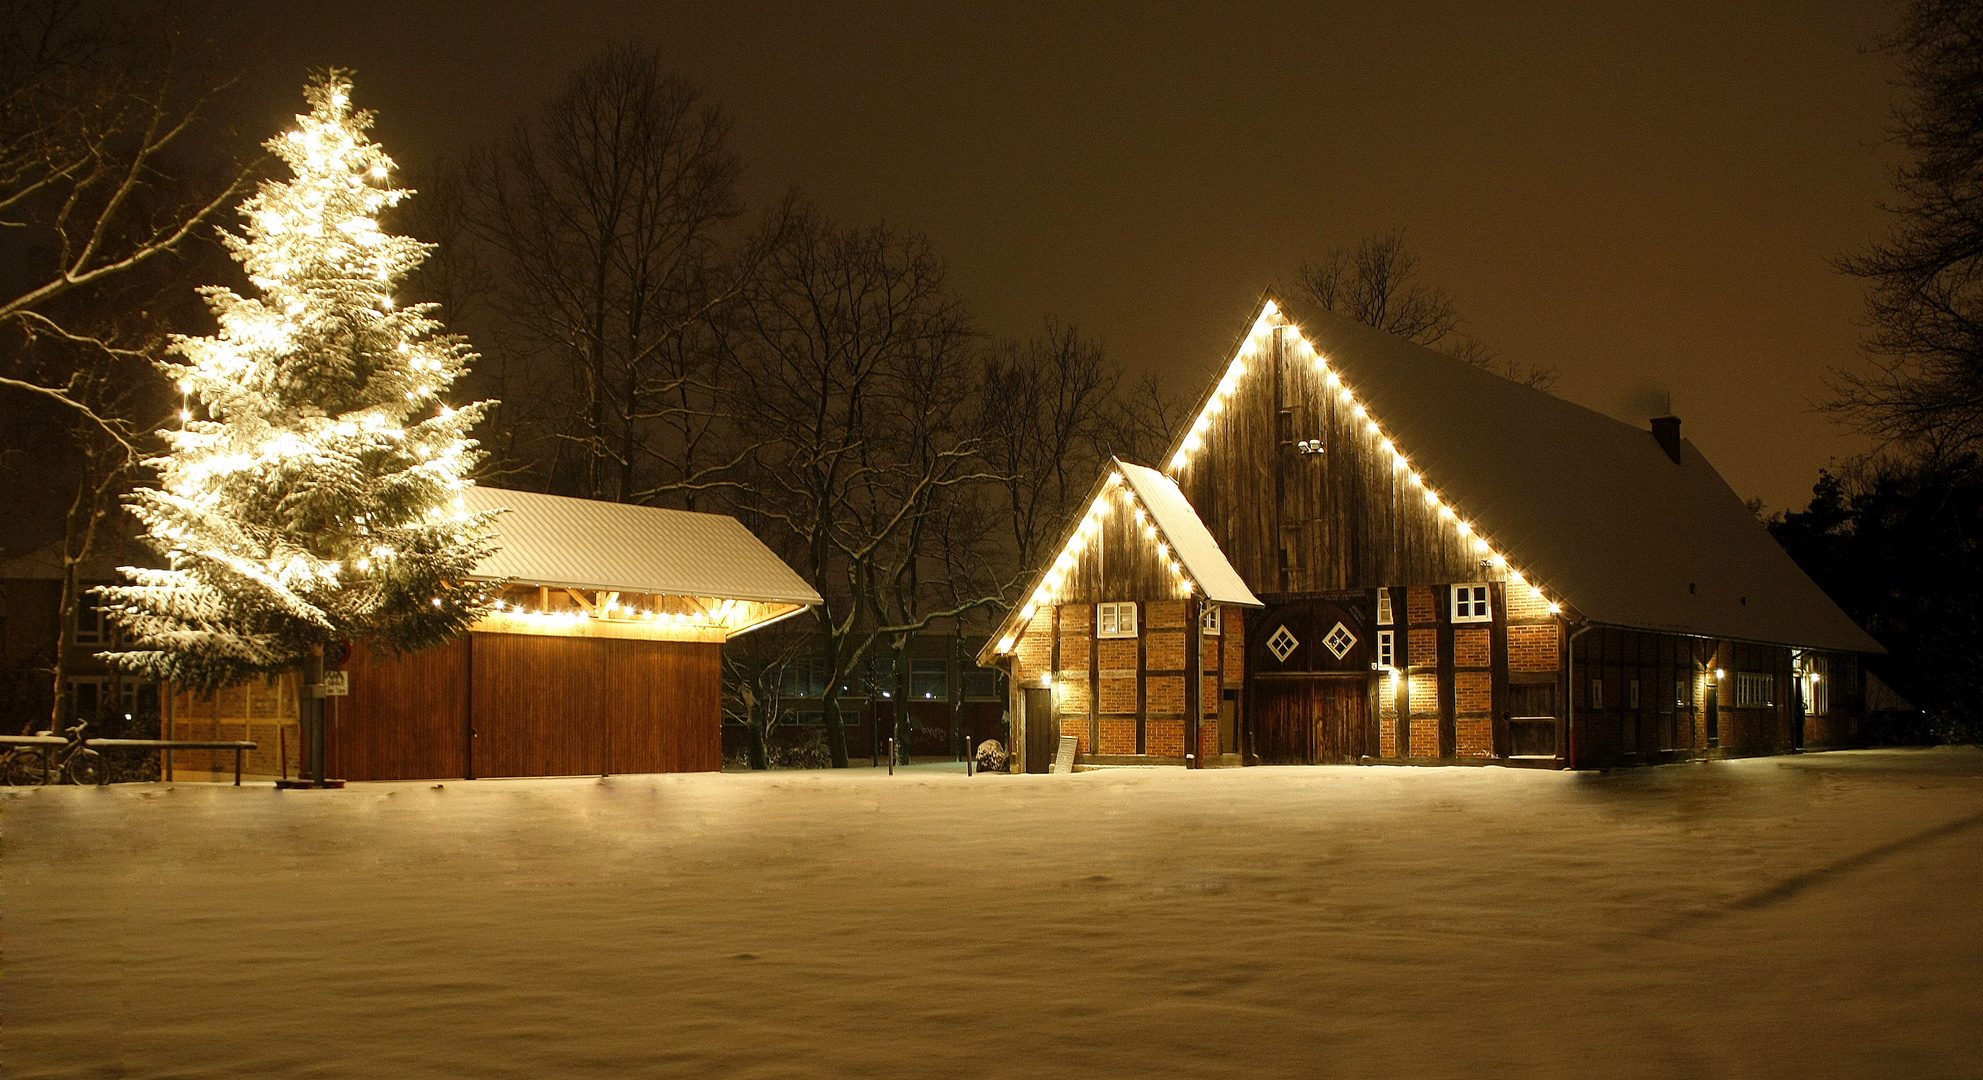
[(981, 683), (929, 680), (881, 676)]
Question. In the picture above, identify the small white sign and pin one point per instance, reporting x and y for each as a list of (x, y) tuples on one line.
[(337, 684)]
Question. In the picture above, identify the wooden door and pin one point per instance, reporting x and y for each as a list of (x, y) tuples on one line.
[(1281, 714), (1042, 733), (1341, 720), (1532, 721)]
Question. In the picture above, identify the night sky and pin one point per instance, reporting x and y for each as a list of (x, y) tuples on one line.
[(1643, 197)]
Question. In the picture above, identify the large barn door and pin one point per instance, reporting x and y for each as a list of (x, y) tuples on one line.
[(1310, 721), (1283, 724), (1341, 720)]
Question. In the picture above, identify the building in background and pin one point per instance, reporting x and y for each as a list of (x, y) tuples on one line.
[(1448, 566)]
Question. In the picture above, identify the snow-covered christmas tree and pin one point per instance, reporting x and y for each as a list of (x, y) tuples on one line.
[(313, 490)]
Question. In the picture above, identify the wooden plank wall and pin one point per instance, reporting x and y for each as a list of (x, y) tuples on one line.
[(1347, 518), (542, 706), (548, 706), (1121, 561), (406, 717)]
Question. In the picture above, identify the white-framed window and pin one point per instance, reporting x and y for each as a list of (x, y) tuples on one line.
[(1683, 693), (1208, 621), (1470, 604), (90, 628), (1384, 607), (1754, 690), (1597, 693), (1387, 649), (1116, 619), (1631, 693)]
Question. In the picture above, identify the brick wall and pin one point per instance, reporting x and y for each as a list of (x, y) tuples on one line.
[(1116, 654), (1470, 647), (1165, 650), (1033, 654), (1419, 604), (1164, 615), (1235, 646), (1473, 695), (1164, 737), (1533, 648), (1118, 735), (1425, 736), (1118, 695), (1525, 603), (1475, 736), (1424, 646), (1165, 695)]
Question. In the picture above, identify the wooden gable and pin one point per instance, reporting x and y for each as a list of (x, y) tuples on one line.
[(1303, 489)]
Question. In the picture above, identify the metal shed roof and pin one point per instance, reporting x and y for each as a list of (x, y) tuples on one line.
[(589, 544)]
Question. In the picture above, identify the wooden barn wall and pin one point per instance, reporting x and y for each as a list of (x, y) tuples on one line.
[(541, 706), (1346, 518), (555, 706), (1120, 561), (406, 717)]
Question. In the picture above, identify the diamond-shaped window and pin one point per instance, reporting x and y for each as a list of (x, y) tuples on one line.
[(1340, 641), (1282, 644)]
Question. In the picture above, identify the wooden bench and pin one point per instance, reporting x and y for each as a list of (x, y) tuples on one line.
[(137, 744)]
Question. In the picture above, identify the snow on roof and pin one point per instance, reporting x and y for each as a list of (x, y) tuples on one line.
[(1203, 561), (1591, 507), (589, 544)]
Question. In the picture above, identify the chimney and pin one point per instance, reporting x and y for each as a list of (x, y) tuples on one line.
[(1666, 430)]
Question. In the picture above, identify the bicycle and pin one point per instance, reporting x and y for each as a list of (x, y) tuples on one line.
[(75, 762)]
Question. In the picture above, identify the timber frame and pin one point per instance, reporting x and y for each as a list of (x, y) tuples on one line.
[(1419, 588)]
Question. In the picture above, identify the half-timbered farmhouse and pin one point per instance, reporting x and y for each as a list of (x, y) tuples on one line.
[(604, 653), (1369, 550)]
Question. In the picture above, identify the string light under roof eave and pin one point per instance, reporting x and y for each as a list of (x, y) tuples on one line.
[(1087, 531), (1270, 317)]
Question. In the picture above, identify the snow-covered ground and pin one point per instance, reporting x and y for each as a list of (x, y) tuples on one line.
[(1815, 916)]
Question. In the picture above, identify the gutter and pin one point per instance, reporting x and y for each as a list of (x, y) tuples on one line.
[(1570, 691)]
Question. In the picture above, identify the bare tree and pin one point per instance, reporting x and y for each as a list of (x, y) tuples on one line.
[(102, 215), (754, 669), (91, 107), (603, 209), (1146, 420), (1376, 283), (850, 347), (1925, 282), (1045, 416)]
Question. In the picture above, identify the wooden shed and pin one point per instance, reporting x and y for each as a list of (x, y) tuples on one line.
[(1449, 567), (604, 655)]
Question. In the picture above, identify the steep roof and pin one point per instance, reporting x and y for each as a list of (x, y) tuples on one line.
[(588, 544), (1203, 561), (1592, 505)]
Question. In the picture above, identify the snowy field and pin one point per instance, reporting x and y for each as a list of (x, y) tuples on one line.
[(1815, 916)]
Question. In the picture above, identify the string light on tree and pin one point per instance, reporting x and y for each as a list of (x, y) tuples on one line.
[(311, 493)]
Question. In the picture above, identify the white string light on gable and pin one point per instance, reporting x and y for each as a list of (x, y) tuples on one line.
[(1298, 343)]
